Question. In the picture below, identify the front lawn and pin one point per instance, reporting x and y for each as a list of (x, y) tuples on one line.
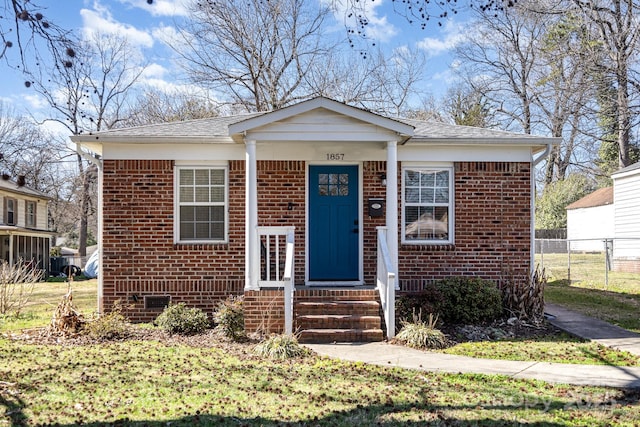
[(147, 382), (158, 380), (619, 308)]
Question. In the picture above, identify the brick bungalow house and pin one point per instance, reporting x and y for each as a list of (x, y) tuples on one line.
[(317, 213)]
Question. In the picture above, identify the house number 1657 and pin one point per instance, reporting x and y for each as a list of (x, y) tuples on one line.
[(335, 156)]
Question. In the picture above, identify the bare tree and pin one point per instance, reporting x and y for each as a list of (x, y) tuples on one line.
[(255, 52), (157, 106), (615, 29), (26, 30), (90, 97), (468, 107), (530, 75), (26, 150)]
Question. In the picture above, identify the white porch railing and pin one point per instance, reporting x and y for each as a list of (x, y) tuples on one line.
[(386, 283), (277, 262)]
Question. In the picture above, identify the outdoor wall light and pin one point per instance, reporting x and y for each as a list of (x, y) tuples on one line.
[(383, 179)]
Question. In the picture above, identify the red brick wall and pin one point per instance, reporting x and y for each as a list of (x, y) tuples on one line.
[(139, 255), (492, 229), (492, 218)]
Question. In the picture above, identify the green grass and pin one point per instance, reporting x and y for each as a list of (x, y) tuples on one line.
[(44, 300), (160, 383), (152, 383), (619, 308), (561, 348), (588, 271)]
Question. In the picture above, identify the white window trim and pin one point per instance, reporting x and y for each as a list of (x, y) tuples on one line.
[(451, 205), (27, 216), (176, 201)]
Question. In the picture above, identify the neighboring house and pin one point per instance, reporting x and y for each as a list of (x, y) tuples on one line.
[(590, 220), (344, 204), (626, 196), (24, 234)]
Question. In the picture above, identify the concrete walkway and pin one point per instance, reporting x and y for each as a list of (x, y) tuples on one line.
[(384, 354)]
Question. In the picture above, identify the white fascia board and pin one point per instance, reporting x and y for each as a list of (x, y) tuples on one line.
[(536, 144), (173, 152), (461, 153)]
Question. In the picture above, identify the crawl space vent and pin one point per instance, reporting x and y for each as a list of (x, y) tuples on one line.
[(156, 302)]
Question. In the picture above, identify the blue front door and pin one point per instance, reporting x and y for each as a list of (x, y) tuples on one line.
[(333, 223)]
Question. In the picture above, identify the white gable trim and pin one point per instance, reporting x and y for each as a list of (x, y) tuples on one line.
[(402, 129)]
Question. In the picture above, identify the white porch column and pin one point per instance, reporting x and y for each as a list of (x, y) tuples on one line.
[(252, 247), (392, 204), (11, 250)]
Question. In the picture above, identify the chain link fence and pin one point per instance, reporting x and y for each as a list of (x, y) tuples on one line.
[(606, 264)]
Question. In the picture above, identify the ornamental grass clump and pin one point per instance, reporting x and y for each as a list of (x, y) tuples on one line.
[(180, 319), (281, 347), (229, 318), (420, 334)]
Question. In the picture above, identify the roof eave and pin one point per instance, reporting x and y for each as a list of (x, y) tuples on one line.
[(539, 144), (156, 139)]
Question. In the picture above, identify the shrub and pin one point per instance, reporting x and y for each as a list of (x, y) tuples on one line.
[(281, 347), (525, 299), (110, 326), (17, 282), (230, 317), (180, 319), (420, 334), (428, 300), (469, 300)]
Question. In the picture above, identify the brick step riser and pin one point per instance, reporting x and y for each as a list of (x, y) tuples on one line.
[(320, 299), (337, 309), (329, 336), (338, 322)]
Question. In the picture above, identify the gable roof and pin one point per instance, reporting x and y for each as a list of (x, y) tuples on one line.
[(230, 129), (326, 104), (600, 197), (13, 187)]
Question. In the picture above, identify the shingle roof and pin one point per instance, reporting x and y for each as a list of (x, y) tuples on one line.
[(10, 185), (628, 168), (600, 197), (216, 129)]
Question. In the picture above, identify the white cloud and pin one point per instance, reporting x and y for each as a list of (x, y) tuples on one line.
[(154, 71), (453, 34), (100, 20), (160, 7), (166, 34), (378, 26), (35, 101)]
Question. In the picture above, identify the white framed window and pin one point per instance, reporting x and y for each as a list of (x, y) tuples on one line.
[(10, 211), (201, 204), (30, 214), (427, 204)]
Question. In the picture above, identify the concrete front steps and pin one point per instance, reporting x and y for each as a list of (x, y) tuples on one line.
[(337, 315)]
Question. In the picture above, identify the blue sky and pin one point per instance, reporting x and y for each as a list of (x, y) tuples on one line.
[(144, 25)]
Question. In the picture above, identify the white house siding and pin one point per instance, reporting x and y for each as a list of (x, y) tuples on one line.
[(594, 223), (626, 190)]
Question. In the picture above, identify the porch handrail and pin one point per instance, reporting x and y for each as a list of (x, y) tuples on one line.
[(386, 283), (288, 284), (279, 278)]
